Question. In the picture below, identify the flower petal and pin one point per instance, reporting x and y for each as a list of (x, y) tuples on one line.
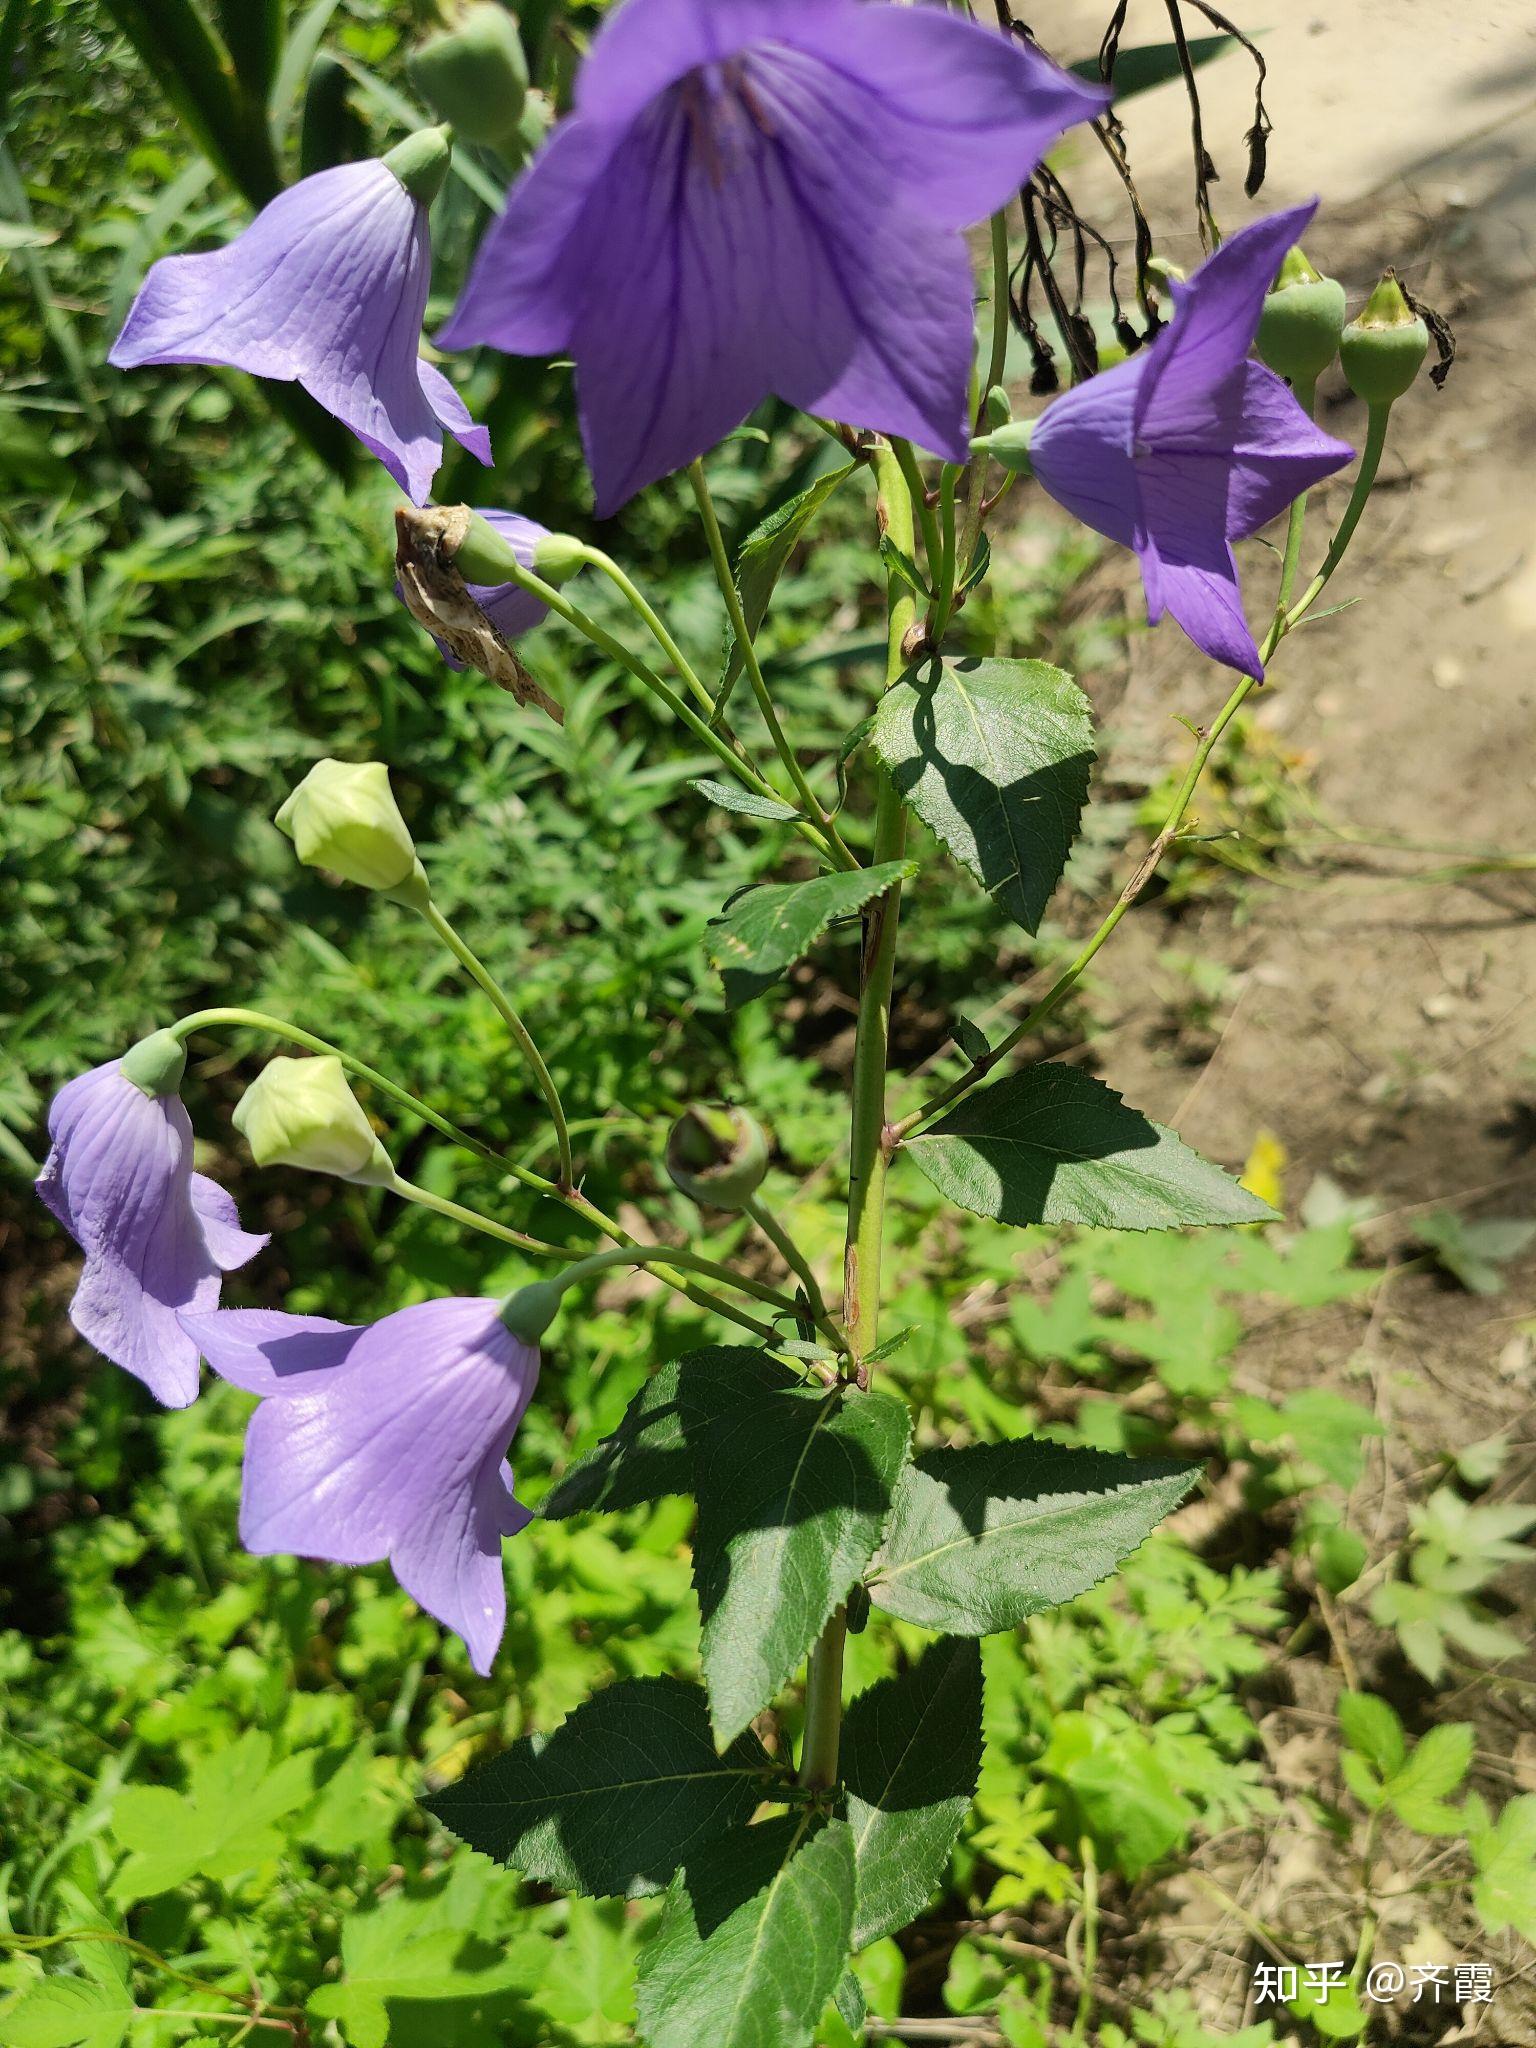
[(267, 1352), (229, 1246), (1081, 452), (453, 413), (450, 1564)]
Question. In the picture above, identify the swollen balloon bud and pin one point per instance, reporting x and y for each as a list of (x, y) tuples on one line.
[(475, 75), (1301, 323), (303, 1113), (343, 817)]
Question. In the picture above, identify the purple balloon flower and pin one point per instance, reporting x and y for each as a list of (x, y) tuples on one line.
[(1188, 446), (326, 288), (157, 1237), (385, 1441), (510, 608), (765, 196)]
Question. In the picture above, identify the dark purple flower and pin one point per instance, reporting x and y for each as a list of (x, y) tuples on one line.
[(385, 1442), (157, 1237), (326, 288), (510, 608), (1188, 446), (765, 196)]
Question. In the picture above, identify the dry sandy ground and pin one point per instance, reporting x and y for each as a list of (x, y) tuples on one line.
[(1384, 1030)]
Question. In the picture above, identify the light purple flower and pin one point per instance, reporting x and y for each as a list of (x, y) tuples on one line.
[(326, 288), (157, 1237), (385, 1441), (510, 608), (1188, 446), (765, 196)]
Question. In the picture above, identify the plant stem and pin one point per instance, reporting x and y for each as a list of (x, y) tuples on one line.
[(1365, 478), (424, 1198), (868, 1155), (976, 494), (681, 709), (647, 612), (691, 1262), (573, 1198), (791, 1254), (738, 619), (917, 491), (519, 1030)]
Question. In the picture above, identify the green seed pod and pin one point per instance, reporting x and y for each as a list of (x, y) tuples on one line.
[(303, 1113), (717, 1157), (1008, 445), (1302, 320), (1384, 349), (475, 74)]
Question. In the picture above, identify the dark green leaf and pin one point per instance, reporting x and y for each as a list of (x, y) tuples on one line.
[(746, 801), (898, 559), (911, 1755), (763, 554), (994, 756), (617, 1798), (768, 929), (852, 2006), (983, 1537), (1149, 64), (972, 1040), (1053, 1145), (753, 1940), (650, 1454), (794, 1492)]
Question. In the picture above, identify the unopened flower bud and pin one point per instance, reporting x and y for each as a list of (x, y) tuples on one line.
[(156, 1064), (1383, 350), (558, 556), (1302, 320), (717, 1157), (303, 1113), (475, 74), (343, 817), (421, 163), (1008, 445), (998, 407), (529, 1312)]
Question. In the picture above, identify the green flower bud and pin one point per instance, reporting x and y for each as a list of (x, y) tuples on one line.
[(475, 74), (303, 1113), (998, 407), (1008, 445), (421, 162), (1383, 350), (717, 1157), (529, 1312), (558, 556), (156, 1064), (1302, 320), (343, 817)]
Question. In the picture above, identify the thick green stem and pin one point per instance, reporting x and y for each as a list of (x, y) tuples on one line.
[(868, 1151), (976, 492), (522, 1038), (765, 703)]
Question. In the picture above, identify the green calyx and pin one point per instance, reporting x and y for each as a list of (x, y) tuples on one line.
[(717, 1157), (1302, 321), (474, 73), (1384, 349), (156, 1064), (484, 557), (1008, 445), (421, 163), (529, 1312)]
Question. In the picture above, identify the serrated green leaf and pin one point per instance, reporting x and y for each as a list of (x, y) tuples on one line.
[(625, 1790), (67, 2012), (1053, 1145), (1362, 1780), (1417, 1791), (649, 1455), (746, 801), (1504, 1892), (994, 756), (753, 1940), (768, 929), (911, 1752), (221, 1826), (983, 1537), (763, 555), (1372, 1727), (794, 1492)]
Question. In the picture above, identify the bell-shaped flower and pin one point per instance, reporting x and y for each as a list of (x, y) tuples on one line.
[(385, 1442), (1189, 446), (326, 288), (758, 197), (157, 1237)]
